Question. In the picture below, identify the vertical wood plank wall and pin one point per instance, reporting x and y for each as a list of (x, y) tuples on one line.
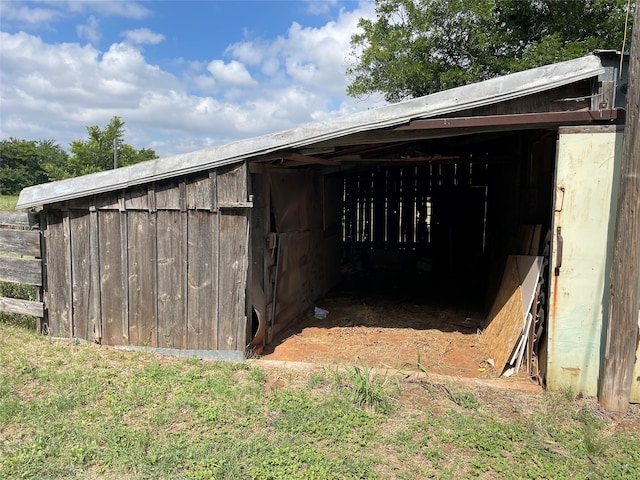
[(159, 265)]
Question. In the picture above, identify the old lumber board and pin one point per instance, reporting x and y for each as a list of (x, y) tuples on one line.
[(233, 273), (202, 288), (22, 307), (81, 274), (111, 293), (171, 278), (18, 219), (21, 270), (142, 278), (20, 242), (506, 318), (57, 297)]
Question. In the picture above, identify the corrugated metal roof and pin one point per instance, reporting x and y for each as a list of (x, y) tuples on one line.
[(491, 91)]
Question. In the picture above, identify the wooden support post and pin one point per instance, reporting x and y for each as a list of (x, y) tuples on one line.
[(622, 329)]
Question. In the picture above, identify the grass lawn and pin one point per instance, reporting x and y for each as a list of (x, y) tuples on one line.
[(70, 410), (8, 203)]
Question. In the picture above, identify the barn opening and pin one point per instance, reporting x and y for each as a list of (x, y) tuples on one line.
[(401, 239)]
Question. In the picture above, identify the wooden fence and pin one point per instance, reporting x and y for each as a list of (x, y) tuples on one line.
[(21, 261)]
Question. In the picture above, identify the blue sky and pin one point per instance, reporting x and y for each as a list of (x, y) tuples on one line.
[(182, 75)]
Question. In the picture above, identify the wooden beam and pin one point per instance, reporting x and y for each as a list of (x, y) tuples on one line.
[(529, 119), (21, 307), (622, 327), (20, 242), (298, 157), (21, 270)]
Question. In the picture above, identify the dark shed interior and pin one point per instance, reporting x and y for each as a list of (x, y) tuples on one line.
[(419, 221)]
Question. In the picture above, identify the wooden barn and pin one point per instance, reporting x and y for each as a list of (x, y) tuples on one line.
[(223, 248)]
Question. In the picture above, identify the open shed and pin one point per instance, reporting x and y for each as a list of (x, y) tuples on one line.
[(224, 248)]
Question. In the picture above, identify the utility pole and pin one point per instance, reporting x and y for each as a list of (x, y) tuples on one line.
[(614, 388), (115, 152)]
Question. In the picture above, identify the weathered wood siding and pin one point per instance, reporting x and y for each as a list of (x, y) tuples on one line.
[(158, 266)]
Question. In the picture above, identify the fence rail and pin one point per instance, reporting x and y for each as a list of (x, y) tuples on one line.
[(21, 261)]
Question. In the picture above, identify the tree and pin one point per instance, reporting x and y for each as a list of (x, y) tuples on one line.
[(417, 47), (97, 152), (21, 163)]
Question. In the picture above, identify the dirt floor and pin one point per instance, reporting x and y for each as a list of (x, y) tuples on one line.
[(394, 334)]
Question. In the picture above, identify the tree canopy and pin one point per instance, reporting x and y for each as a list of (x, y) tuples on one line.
[(21, 163), (96, 153), (417, 47)]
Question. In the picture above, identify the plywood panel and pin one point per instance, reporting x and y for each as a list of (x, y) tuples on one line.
[(171, 278), (506, 318), (81, 275), (202, 292), (114, 323), (141, 257), (232, 286), (58, 293)]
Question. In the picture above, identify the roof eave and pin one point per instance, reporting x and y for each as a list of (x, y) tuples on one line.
[(491, 91)]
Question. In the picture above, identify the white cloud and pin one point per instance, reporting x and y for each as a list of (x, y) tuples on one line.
[(25, 15), (319, 7), (53, 91), (90, 30), (142, 36), (118, 8), (233, 73)]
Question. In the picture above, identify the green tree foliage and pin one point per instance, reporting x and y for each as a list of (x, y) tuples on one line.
[(96, 153), (21, 163), (417, 47)]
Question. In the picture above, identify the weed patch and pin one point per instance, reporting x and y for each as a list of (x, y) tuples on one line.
[(82, 411)]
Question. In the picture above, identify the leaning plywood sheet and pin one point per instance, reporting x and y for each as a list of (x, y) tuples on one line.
[(506, 318)]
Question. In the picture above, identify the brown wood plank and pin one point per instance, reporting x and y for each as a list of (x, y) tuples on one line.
[(136, 199), (171, 278), (19, 219), (95, 313), (57, 298), (21, 307), (107, 201), (81, 274), (202, 292), (20, 242), (233, 263), (199, 194), (232, 184), (111, 294), (141, 258), (21, 270), (167, 196)]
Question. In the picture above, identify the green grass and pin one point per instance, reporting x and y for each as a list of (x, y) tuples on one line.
[(8, 203), (84, 411)]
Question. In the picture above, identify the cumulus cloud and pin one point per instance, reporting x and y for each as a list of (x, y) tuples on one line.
[(26, 15), (54, 90), (90, 30), (120, 8), (142, 36), (232, 74)]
